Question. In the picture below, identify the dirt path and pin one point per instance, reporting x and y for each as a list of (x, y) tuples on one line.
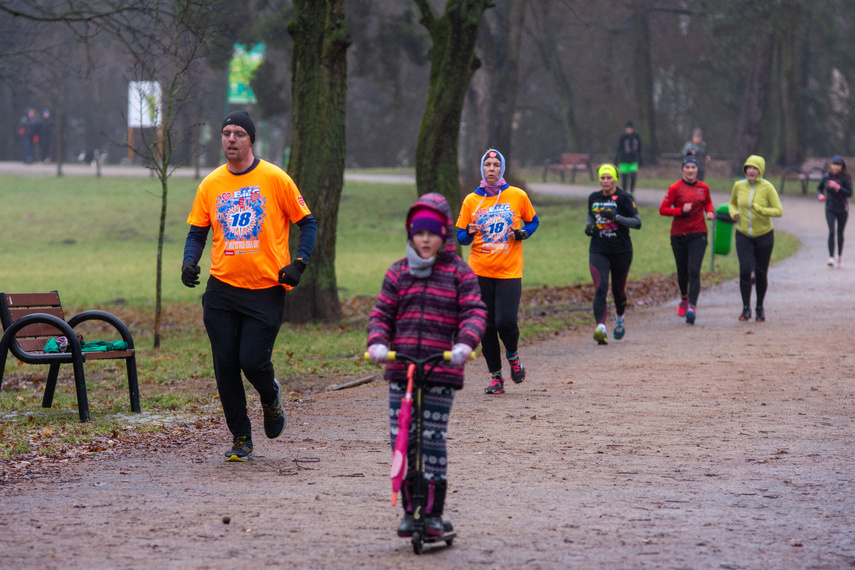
[(723, 445)]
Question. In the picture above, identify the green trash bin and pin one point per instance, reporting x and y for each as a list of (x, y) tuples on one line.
[(723, 230)]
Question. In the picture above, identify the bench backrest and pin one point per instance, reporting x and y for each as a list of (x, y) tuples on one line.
[(575, 160), (13, 306), (813, 163)]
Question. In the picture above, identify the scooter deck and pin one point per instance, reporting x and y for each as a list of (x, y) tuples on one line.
[(444, 538)]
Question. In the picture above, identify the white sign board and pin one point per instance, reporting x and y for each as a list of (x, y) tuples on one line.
[(144, 104)]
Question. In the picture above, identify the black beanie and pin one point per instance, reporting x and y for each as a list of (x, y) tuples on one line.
[(241, 119)]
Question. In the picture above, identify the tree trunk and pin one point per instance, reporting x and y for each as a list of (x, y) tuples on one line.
[(319, 67), (753, 103), (643, 73), (158, 287), (545, 38), (790, 41), (500, 42), (453, 62), (491, 101)]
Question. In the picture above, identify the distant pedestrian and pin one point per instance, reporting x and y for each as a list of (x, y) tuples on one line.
[(688, 202), (495, 219), (698, 148), (611, 214), (753, 203), (46, 130), (837, 186), (628, 157), (27, 133)]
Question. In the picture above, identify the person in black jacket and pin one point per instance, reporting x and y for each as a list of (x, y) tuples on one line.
[(834, 189), (628, 157), (611, 214)]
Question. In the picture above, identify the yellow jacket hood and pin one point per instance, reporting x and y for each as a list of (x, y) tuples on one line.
[(757, 162)]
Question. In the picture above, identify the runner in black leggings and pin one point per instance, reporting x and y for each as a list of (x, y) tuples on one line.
[(837, 185), (753, 204), (611, 213), (688, 201)]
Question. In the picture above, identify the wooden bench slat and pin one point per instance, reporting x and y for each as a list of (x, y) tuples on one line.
[(32, 344), (109, 354), (39, 329), (18, 314), (33, 299)]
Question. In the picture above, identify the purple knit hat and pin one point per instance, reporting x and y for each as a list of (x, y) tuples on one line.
[(425, 219)]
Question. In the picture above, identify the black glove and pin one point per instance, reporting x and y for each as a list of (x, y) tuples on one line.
[(520, 235), (589, 229), (291, 273), (607, 213), (190, 274)]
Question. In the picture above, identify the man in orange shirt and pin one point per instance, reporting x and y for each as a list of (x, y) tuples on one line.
[(248, 203)]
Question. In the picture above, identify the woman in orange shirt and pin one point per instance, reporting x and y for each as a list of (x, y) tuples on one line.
[(495, 219)]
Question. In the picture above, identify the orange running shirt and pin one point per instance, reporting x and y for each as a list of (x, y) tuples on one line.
[(249, 214), (494, 251)]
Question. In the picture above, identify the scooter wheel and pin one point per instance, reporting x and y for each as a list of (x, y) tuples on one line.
[(417, 542)]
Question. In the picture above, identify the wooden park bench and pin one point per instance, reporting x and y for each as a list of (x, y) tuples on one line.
[(810, 169), (569, 162), (31, 320)]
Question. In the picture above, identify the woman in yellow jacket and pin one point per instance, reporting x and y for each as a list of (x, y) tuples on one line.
[(753, 203)]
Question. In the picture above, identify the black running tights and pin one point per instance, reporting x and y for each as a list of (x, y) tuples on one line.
[(754, 256), (839, 218), (502, 297), (601, 265), (689, 254)]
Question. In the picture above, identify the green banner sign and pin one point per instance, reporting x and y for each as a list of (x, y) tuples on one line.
[(243, 64)]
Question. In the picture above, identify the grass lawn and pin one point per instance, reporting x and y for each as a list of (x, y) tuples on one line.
[(94, 240)]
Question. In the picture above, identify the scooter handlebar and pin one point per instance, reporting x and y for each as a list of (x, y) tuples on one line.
[(391, 355)]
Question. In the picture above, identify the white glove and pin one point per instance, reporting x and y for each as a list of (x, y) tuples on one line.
[(378, 352), (460, 354)]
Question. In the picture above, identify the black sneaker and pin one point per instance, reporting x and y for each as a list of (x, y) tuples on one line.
[(274, 415), (746, 314), (241, 449), (760, 314), (434, 526)]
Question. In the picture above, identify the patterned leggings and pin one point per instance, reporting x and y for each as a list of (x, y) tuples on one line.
[(436, 406)]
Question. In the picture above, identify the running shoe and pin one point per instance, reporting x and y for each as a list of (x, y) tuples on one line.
[(619, 330), (274, 415), (690, 316), (241, 449), (682, 308), (840, 261), (831, 262), (760, 313), (600, 335), (517, 370), (746, 314), (497, 386)]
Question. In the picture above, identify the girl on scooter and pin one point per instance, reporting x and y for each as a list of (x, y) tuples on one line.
[(430, 302)]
